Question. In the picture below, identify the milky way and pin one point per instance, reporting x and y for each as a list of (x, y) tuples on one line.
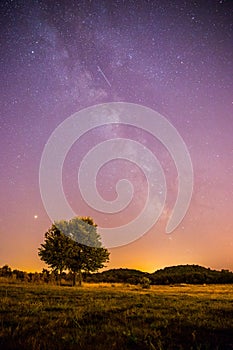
[(174, 57)]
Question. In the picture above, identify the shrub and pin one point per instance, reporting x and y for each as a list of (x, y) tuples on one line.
[(145, 282)]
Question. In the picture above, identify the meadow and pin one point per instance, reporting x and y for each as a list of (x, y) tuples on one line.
[(115, 316)]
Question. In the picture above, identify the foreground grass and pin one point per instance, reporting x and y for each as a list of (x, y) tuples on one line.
[(106, 317)]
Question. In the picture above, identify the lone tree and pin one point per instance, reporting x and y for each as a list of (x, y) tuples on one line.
[(74, 245)]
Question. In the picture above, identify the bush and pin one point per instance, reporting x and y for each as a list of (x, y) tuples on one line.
[(145, 282)]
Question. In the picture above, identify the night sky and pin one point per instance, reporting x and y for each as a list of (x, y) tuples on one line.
[(175, 57)]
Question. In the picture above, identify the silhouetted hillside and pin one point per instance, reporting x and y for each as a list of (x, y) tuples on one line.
[(192, 274), (119, 276)]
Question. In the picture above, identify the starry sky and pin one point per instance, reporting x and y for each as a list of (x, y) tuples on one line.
[(58, 57)]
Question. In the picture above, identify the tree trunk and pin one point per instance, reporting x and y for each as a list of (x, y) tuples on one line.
[(59, 277), (79, 278), (74, 278)]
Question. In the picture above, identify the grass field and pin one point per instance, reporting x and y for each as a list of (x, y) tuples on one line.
[(115, 317)]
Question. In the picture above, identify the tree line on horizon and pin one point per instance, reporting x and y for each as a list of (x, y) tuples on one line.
[(188, 274)]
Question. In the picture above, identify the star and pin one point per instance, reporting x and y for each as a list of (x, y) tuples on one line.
[(173, 57)]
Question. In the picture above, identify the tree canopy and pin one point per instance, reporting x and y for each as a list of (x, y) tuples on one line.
[(74, 245)]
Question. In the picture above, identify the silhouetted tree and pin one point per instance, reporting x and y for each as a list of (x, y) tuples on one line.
[(5, 271), (74, 245)]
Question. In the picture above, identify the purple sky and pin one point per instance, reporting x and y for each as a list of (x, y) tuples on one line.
[(174, 57)]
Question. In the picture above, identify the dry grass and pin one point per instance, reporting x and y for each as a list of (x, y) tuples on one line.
[(115, 316)]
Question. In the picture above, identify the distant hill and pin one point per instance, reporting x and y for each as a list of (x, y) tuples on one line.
[(191, 274), (130, 276)]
